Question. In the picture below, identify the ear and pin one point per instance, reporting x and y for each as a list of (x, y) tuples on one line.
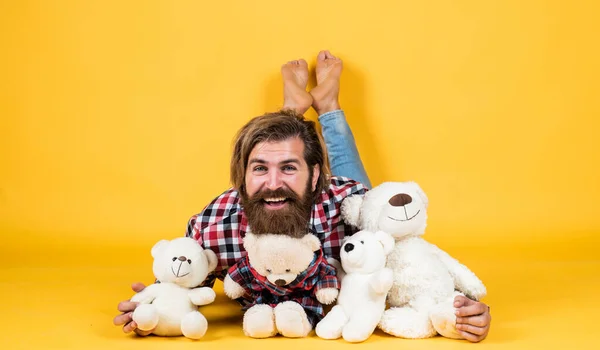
[(315, 178), (250, 242), (212, 259), (351, 209), (386, 240), (312, 241), (421, 193), (159, 247)]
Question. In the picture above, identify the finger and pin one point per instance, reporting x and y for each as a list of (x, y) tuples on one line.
[(461, 300), (127, 306), (471, 329), (122, 319), (478, 321), (471, 310), (471, 337), (138, 287), (129, 327)]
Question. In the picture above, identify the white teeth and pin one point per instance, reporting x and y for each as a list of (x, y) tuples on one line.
[(281, 199)]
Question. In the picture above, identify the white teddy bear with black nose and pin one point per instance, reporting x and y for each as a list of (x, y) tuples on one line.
[(365, 285), (426, 279), (170, 308)]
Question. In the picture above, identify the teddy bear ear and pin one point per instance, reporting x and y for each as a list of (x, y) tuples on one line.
[(351, 209), (312, 241), (212, 259), (421, 193), (159, 247), (387, 241)]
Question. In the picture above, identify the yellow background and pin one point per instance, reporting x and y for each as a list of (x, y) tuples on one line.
[(117, 119)]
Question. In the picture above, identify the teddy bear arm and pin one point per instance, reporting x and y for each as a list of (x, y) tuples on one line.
[(202, 296), (232, 289), (147, 295), (464, 279), (381, 282)]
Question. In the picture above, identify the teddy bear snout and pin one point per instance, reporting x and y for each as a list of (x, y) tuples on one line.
[(280, 283), (400, 200), (348, 247)]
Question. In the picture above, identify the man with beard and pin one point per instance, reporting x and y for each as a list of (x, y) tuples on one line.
[(282, 184)]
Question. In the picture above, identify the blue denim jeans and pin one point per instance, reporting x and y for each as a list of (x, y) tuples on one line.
[(341, 147)]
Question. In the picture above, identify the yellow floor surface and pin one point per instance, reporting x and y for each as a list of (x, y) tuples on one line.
[(536, 304)]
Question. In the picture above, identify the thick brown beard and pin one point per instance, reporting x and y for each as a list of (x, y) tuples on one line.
[(292, 220)]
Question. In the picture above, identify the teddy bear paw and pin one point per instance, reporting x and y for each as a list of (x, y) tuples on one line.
[(405, 322), (291, 320), (259, 322), (146, 317), (194, 325), (327, 295)]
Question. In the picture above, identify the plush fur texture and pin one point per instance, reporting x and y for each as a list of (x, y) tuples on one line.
[(426, 279), (170, 307), (279, 258), (361, 302)]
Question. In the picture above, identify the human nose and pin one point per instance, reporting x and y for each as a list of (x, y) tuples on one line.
[(274, 181)]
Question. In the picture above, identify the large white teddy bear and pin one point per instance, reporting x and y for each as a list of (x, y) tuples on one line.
[(365, 285), (171, 306), (426, 279)]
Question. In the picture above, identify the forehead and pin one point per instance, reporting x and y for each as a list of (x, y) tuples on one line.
[(278, 151)]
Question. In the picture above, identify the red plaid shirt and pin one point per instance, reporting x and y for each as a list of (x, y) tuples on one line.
[(222, 224), (259, 290)]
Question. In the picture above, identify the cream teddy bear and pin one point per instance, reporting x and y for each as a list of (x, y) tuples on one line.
[(170, 307), (285, 280), (365, 285), (426, 279)]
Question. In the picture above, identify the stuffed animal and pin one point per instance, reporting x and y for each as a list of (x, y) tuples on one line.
[(365, 285), (285, 281), (426, 279), (170, 306)]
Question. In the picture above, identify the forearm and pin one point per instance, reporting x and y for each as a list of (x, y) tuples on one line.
[(341, 147)]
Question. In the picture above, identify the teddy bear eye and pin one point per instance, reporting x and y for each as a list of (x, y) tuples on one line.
[(287, 270), (174, 259), (362, 242), (189, 261), (269, 271)]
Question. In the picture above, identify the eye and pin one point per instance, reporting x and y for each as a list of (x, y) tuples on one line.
[(269, 271), (174, 259), (260, 169), (362, 242), (289, 168), (189, 261), (287, 270)]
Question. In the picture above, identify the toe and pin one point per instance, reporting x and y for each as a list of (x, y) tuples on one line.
[(302, 63), (321, 56)]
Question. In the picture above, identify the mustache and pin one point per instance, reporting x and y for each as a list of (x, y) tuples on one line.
[(280, 192)]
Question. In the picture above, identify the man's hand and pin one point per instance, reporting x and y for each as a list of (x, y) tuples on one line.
[(127, 307), (472, 318)]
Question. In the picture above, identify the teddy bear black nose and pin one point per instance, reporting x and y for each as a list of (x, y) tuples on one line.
[(348, 247), (280, 283), (182, 258), (400, 200)]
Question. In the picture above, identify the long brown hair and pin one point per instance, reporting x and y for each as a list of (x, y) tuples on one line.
[(279, 126)]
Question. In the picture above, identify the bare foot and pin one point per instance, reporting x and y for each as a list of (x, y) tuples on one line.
[(325, 94), (295, 78)]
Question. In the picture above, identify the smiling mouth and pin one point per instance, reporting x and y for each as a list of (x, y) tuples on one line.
[(177, 273), (405, 219)]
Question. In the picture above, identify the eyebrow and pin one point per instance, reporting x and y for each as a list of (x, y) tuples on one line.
[(262, 161)]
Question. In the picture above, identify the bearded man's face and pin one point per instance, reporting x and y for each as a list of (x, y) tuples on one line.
[(279, 188)]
